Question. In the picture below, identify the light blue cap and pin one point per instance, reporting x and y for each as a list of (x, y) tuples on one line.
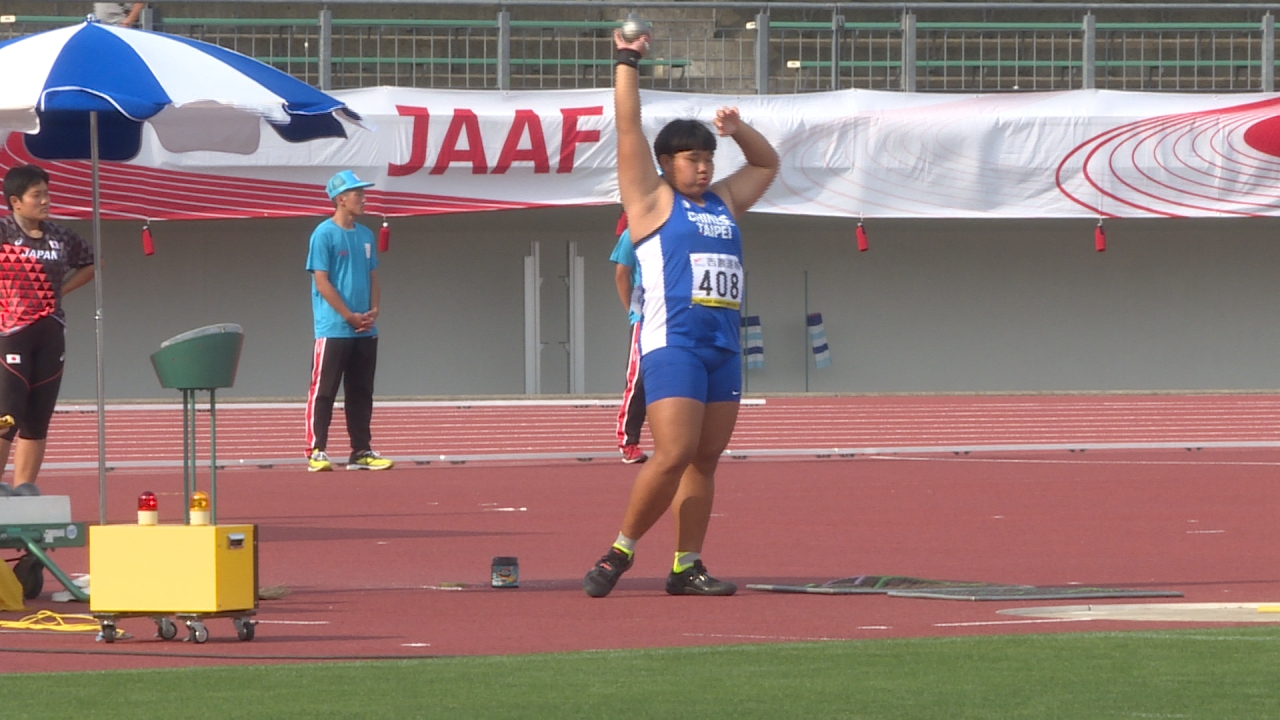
[(344, 181)]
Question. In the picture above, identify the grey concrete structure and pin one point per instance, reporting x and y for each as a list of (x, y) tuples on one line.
[(934, 306)]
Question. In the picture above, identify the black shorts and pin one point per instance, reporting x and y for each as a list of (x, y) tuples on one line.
[(32, 362)]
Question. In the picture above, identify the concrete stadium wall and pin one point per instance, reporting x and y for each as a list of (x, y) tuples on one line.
[(934, 306)]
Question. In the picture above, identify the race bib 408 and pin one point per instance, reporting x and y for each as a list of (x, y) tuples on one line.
[(717, 280)]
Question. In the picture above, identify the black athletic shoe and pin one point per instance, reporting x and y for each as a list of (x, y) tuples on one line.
[(601, 579), (696, 581)]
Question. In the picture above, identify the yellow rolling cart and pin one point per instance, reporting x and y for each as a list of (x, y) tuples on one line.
[(194, 571)]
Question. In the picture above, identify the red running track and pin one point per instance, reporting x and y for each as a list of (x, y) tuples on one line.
[(260, 435), (373, 559)]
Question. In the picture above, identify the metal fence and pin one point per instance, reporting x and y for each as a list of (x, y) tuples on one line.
[(773, 48)]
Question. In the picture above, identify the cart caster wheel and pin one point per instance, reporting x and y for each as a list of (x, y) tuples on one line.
[(199, 633), (30, 573), (244, 628), (109, 632), (166, 629)]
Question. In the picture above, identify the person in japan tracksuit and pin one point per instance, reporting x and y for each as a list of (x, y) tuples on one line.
[(40, 262)]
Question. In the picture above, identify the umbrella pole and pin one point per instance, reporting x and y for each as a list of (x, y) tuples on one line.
[(97, 319)]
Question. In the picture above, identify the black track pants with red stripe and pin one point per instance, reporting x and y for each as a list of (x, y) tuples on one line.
[(351, 362), (631, 415)]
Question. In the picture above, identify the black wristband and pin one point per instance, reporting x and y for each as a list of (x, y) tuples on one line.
[(628, 57)]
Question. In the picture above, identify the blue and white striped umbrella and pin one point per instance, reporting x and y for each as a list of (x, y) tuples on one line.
[(54, 79), (84, 92)]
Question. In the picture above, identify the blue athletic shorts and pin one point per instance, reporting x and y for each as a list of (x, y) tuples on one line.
[(706, 374)]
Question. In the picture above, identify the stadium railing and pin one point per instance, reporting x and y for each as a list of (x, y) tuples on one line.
[(777, 47)]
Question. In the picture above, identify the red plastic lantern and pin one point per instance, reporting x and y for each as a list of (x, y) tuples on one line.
[(148, 508)]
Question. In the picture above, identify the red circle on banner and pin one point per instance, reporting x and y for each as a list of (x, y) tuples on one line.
[(1264, 136)]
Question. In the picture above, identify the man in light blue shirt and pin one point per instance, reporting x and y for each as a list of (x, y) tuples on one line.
[(343, 263)]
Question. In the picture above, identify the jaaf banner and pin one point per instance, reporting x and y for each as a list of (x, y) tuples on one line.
[(852, 153)]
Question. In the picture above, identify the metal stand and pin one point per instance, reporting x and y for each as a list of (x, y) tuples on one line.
[(200, 359), (189, 453)]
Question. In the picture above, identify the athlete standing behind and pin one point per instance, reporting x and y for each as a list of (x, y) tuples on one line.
[(39, 263), (631, 414), (690, 255)]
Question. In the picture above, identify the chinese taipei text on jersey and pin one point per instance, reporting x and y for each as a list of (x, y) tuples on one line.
[(691, 277)]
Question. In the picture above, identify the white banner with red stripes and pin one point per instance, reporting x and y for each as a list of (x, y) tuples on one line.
[(852, 153)]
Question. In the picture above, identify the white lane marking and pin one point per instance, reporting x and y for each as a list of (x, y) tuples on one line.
[(765, 637), (1011, 622), (1162, 612)]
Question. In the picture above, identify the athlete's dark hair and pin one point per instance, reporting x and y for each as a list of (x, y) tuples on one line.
[(22, 178), (681, 135)]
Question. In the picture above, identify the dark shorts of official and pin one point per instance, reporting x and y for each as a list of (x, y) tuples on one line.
[(705, 374), (31, 360)]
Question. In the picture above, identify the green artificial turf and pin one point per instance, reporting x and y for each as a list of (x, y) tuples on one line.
[(1212, 674)]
